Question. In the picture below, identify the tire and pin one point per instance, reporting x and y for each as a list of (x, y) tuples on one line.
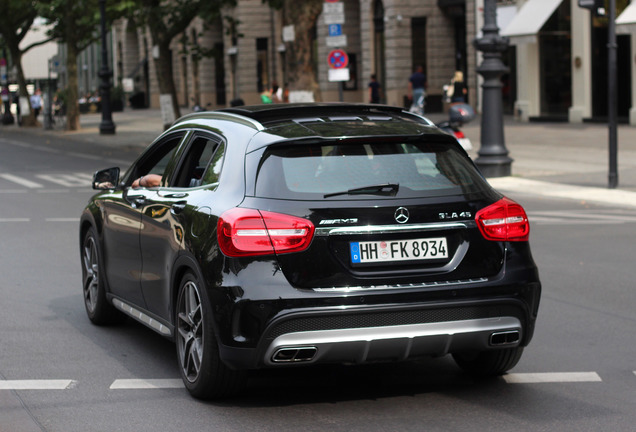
[(489, 363), (204, 374), (99, 311)]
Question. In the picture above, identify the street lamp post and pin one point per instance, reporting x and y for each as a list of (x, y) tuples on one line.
[(493, 160), (106, 127)]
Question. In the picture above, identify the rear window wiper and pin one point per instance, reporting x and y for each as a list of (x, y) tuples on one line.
[(387, 189)]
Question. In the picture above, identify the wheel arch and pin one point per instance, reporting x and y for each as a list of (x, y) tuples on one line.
[(182, 265)]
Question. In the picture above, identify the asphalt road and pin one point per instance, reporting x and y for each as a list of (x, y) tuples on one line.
[(60, 373)]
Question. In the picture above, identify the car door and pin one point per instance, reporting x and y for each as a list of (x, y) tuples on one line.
[(123, 222), (166, 218)]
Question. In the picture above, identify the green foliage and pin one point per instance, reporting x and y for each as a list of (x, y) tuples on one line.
[(16, 18), (77, 22), (167, 19)]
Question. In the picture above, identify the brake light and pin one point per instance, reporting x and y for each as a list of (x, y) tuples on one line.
[(459, 134), (504, 220), (250, 232)]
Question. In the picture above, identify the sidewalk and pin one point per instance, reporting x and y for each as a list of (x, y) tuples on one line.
[(550, 159)]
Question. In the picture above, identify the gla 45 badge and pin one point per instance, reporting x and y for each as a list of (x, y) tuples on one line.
[(455, 215)]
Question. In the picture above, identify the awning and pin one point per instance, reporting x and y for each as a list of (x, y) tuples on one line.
[(626, 21), (505, 14), (529, 19)]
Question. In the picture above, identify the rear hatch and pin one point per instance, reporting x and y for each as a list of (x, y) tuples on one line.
[(386, 211)]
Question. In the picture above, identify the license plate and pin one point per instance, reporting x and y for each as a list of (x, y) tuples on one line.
[(398, 250)]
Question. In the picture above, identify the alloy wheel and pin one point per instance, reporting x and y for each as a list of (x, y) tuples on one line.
[(91, 274), (190, 331)]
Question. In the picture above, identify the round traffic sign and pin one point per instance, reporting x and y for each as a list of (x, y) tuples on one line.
[(338, 59)]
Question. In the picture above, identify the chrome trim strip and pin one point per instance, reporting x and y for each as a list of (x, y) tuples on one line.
[(142, 317), (401, 286), (402, 340), (386, 229)]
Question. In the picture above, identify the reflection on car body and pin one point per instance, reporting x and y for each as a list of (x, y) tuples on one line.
[(305, 234)]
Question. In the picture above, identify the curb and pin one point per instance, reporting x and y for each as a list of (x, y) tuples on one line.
[(559, 190)]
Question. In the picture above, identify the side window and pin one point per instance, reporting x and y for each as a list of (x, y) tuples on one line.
[(158, 158), (214, 169), (196, 168)]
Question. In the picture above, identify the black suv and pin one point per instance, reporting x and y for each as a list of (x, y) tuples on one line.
[(282, 235)]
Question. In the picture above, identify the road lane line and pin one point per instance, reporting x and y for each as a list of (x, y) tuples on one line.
[(21, 181), (36, 384), (66, 180), (131, 384), (551, 377)]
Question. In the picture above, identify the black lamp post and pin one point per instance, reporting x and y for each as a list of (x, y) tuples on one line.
[(493, 160), (106, 127)]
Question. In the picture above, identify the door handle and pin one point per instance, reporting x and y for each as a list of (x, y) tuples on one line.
[(136, 200), (175, 195)]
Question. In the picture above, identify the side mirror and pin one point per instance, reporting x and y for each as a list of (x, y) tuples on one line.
[(106, 179)]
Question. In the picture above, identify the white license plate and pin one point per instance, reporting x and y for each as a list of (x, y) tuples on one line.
[(398, 250)]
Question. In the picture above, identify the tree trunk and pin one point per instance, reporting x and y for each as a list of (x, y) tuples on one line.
[(26, 120), (165, 77), (300, 59), (72, 104)]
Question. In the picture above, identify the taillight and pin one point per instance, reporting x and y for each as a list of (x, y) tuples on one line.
[(459, 134), (249, 232), (504, 220)]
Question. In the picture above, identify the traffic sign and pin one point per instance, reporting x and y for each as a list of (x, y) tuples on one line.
[(337, 41), (338, 59), (333, 13), (335, 29)]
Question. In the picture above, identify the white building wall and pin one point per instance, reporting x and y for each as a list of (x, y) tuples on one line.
[(581, 65), (35, 61)]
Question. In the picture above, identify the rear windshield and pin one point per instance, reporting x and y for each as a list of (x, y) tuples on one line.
[(311, 171)]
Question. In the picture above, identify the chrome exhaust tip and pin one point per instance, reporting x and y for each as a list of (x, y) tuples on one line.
[(504, 338), (294, 355)]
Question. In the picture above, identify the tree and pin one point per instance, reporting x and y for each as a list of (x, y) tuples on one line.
[(165, 21), (300, 54), (16, 19), (76, 24)]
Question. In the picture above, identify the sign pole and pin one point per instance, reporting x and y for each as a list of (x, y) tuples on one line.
[(612, 95)]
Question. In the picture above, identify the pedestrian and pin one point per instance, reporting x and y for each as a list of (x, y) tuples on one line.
[(375, 90), (36, 102), (458, 88), (417, 89)]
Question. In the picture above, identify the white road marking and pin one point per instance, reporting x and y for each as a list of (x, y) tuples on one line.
[(130, 384), (66, 180), (36, 384), (15, 220), (551, 377), (21, 181)]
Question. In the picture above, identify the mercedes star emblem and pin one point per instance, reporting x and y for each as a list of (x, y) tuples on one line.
[(401, 215)]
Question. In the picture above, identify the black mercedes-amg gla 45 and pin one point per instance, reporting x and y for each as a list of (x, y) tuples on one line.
[(281, 235)]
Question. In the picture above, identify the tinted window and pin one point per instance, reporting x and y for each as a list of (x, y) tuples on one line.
[(157, 159), (312, 171), (194, 170)]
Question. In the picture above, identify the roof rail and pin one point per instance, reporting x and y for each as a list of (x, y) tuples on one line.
[(273, 112)]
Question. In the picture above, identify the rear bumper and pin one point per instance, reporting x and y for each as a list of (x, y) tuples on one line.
[(392, 343), (376, 333)]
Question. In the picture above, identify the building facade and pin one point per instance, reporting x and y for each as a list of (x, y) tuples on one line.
[(561, 62), (242, 56)]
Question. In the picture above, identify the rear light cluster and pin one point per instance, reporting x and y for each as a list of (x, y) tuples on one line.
[(249, 232), (504, 220)]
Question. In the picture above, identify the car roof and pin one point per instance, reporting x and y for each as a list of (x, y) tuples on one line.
[(321, 120)]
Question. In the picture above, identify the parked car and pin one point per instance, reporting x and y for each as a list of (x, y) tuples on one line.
[(285, 235)]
